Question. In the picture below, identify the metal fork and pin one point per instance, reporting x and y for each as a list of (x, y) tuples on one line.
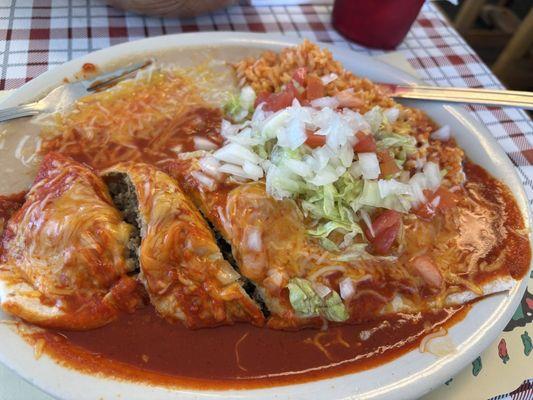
[(64, 95)]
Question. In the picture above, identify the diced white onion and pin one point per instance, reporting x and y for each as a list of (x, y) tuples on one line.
[(392, 187), (369, 165), (206, 181), (433, 176), (346, 288), (201, 143), (253, 170), (367, 221), (397, 303), (236, 154), (244, 138), (253, 239), (355, 170), (210, 165), (276, 277), (227, 129), (293, 135), (330, 102), (322, 155), (247, 97), (392, 114), (346, 154), (324, 177), (327, 79), (259, 114), (193, 154), (271, 125), (233, 169), (435, 202), (417, 191), (298, 167), (443, 133), (337, 129)]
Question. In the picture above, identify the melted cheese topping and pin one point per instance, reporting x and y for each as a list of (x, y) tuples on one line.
[(182, 267), (68, 244), (147, 118)]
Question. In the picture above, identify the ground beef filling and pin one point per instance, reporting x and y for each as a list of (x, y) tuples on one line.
[(124, 197)]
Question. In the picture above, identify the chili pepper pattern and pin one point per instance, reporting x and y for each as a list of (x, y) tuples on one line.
[(502, 351)]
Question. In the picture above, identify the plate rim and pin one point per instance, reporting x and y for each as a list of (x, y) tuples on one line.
[(405, 388)]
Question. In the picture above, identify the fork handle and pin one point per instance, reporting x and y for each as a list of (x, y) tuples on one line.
[(24, 110)]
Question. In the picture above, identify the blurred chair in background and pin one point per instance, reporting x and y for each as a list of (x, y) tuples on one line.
[(508, 42)]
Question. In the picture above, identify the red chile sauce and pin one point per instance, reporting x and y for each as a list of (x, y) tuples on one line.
[(11, 203), (143, 347)]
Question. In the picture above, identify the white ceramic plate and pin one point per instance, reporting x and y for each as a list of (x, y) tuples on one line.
[(407, 377)]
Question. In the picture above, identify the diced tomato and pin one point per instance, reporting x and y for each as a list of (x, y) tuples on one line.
[(299, 75), (387, 165), (428, 270), (294, 92), (446, 201), (384, 241), (385, 228), (315, 88), (365, 143), (262, 98), (349, 99), (277, 101), (385, 220), (425, 211), (314, 140)]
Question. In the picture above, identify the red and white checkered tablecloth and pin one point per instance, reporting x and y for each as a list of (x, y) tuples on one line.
[(36, 35)]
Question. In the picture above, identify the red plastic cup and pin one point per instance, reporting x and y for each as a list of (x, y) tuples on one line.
[(375, 23)]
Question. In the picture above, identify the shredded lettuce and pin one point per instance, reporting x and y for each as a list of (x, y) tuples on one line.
[(328, 245), (307, 302), (303, 298), (239, 106), (233, 106), (332, 206), (404, 142), (334, 309)]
